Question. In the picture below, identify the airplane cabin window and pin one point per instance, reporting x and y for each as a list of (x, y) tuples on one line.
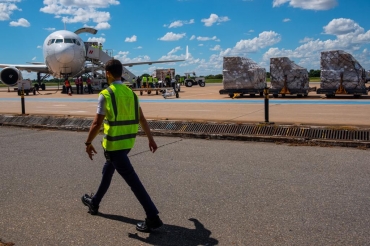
[(59, 41)]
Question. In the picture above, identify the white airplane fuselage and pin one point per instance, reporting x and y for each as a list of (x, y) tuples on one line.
[(64, 54)]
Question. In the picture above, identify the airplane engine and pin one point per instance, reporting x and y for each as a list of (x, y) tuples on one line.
[(10, 76)]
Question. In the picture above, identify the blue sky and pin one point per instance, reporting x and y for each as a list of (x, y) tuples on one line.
[(148, 30)]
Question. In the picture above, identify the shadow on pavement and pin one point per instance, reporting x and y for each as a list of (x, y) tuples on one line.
[(170, 234)]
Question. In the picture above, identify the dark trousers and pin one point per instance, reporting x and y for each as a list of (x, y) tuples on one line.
[(82, 88), (119, 161), (78, 89), (89, 88)]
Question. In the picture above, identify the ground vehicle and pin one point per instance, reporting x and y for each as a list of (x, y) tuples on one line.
[(26, 85), (189, 82), (97, 84)]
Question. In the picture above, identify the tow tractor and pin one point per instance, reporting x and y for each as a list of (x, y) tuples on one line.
[(189, 82)]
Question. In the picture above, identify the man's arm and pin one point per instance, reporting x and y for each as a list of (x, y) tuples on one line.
[(144, 125), (93, 132)]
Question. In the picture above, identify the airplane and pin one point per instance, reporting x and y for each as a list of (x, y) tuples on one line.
[(65, 55)]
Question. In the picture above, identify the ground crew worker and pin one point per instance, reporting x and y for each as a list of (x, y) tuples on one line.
[(144, 80), (77, 83), (133, 81), (150, 82), (168, 80), (81, 83), (68, 87), (138, 82), (182, 80), (155, 81), (119, 109), (89, 87)]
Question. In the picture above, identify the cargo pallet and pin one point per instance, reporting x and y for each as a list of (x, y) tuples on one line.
[(341, 90), (240, 92)]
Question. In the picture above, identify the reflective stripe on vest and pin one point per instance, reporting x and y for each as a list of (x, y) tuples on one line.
[(119, 134)]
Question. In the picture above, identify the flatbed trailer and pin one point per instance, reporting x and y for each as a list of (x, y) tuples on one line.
[(332, 92), (285, 91), (240, 92), (157, 90)]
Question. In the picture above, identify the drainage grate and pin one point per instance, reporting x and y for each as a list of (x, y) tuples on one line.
[(329, 133)]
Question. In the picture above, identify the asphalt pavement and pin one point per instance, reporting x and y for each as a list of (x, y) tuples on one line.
[(209, 192)]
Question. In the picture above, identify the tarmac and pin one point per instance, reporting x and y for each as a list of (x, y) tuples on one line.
[(205, 104)]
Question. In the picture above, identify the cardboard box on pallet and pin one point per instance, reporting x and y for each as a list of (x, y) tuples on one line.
[(337, 63), (296, 76), (242, 73)]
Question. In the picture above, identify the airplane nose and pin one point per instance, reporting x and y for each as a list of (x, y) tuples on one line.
[(64, 53)]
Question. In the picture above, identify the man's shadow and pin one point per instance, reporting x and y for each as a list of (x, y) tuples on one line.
[(170, 234)]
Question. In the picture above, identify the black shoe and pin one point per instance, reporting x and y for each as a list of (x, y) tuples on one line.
[(87, 201), (149, 224)]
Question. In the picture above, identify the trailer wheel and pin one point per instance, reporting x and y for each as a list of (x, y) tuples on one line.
[(275, 95), (149, 92), (231, 95), (252, 95), (305, 95), (330, 95), (43, 87), (156, 92), (261, 93), (357, 96), (283, 95), (299, 95)]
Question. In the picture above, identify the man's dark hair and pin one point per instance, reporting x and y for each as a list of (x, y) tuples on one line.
[(114, 67)]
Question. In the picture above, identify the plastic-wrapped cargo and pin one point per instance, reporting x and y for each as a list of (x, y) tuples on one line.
[(242, 73), (296, 76), (337, 63)]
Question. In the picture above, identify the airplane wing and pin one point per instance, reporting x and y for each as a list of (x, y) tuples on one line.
[(148, 62), (42, 68)]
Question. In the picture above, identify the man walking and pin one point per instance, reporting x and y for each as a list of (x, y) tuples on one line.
[(119, 108)]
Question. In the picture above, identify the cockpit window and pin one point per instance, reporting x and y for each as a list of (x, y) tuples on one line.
[(51, 41), (59, 41), (68, 41), (78, 42)]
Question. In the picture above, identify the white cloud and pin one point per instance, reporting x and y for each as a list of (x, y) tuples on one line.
[(34, 59), (170, 36), (171, 55), (138, 48), (132, 39), (21, 22), (7, 8), (50, 29), (307, 4), (124, 58), (286, 20), (263, 40), (39, 47), (102, 25), (180, 23), (207, 38), (305, 40), (192, 37), (216, 48), (349, 37), (342, 26), (214, 19), (95, 39), (80, 11)]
